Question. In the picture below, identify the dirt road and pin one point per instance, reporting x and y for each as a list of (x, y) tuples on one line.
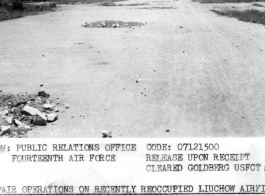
[(187, 70)]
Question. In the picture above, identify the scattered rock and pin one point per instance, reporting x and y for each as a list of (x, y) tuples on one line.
[(23, 126), (18, 123), (106, 134), (67, 106), (28, 110), (20, 111), (167, 130), (26, 127), (5, 130), (40, 120), (3, 121), (43, 94), (114, 26), (52, 117), (9, 120), (5, 112), (48, 106)]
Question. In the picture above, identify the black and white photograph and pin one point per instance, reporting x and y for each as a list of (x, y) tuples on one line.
[(132, 68)]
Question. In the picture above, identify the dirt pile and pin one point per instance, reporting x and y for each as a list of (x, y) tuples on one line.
[(112, 24), (20, 112), (151, 8), (133, 4)]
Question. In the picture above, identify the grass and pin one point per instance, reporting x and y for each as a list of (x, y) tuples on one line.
[(72, 2), (11, 11), (257, 5), (227, 1), (253, 16), (108, 4), (5, 14)]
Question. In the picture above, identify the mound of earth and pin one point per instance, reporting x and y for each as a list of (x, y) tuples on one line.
[(112, 24), (151, 8)]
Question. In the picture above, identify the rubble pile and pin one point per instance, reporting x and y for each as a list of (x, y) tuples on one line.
[(19, 113), (151, 8), (112, 24), (134, 4)]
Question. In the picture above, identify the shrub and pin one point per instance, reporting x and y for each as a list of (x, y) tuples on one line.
[(17, 5), (3, 3), (108, 4), (257, 5), (254, 16), (227, 1)]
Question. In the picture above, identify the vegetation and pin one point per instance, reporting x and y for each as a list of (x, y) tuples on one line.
[(108, 4), (254, 16), (12, 9), (18, 9), (72, 2), (258, 5), (17, 5), (227, 1)]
